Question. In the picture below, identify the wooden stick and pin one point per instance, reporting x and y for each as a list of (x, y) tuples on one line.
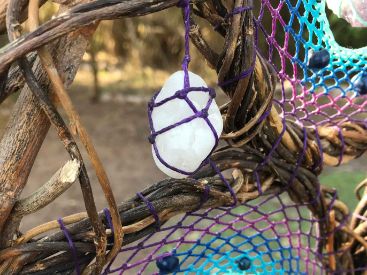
[(13, 15), (3, 8), (52, 189), (355, 236), (75, 120), (49, 226), (330, 241), (28, 125)]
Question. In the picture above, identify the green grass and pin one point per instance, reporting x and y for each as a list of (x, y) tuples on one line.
[(344, 182)]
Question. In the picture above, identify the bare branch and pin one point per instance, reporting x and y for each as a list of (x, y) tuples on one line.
[(66, 103), (28, 125), (57, 185)]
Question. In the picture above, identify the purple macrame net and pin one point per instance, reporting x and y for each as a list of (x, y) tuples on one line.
[(271, 234)]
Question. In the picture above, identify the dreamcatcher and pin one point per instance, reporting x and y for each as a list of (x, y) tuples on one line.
[(250, 202)]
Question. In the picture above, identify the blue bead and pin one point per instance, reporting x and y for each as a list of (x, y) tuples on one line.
[(319, 60), (244, 263), (168, 264), (360, 83)]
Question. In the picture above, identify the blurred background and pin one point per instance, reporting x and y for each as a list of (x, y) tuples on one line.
[(127, 61)]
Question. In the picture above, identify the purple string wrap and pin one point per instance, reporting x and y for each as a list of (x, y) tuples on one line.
[(183, 95), (250, 70), (186, 60), (151, 208), (235, 11), (204, 198), (231, 191), (108, 218), (71, 245)]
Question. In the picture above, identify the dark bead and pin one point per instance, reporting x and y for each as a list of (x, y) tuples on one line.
[(244, 263), (319, 60), (168, 264), (360, 84)]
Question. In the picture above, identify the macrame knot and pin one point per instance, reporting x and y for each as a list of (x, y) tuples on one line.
[(150, 105), (212, 93), (152, 138), (203, 113), (187, 59), (181, 94)]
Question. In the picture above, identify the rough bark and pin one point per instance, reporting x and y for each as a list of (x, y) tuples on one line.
[(28, 125)]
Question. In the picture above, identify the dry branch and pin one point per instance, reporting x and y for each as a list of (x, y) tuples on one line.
[(28, 125), (15, 81), (58, 184), (79, 130), (44, 101), (166, 197)]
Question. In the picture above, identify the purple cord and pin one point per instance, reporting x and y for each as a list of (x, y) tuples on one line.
[(151, 208), (108, 218), (186, 60), (238, 10), (71, 245), (183, 95), (204, 198), (216, 169)]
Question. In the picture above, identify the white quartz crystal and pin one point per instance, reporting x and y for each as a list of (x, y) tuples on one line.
[(354, 11), (186, 146), (335, 6)]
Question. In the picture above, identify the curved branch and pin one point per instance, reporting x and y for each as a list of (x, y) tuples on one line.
[(57, 185), (28, 125), (80, 130)]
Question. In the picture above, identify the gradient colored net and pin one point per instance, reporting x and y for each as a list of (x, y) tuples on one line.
[(267, 231), (312, 97), (271, 234)]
